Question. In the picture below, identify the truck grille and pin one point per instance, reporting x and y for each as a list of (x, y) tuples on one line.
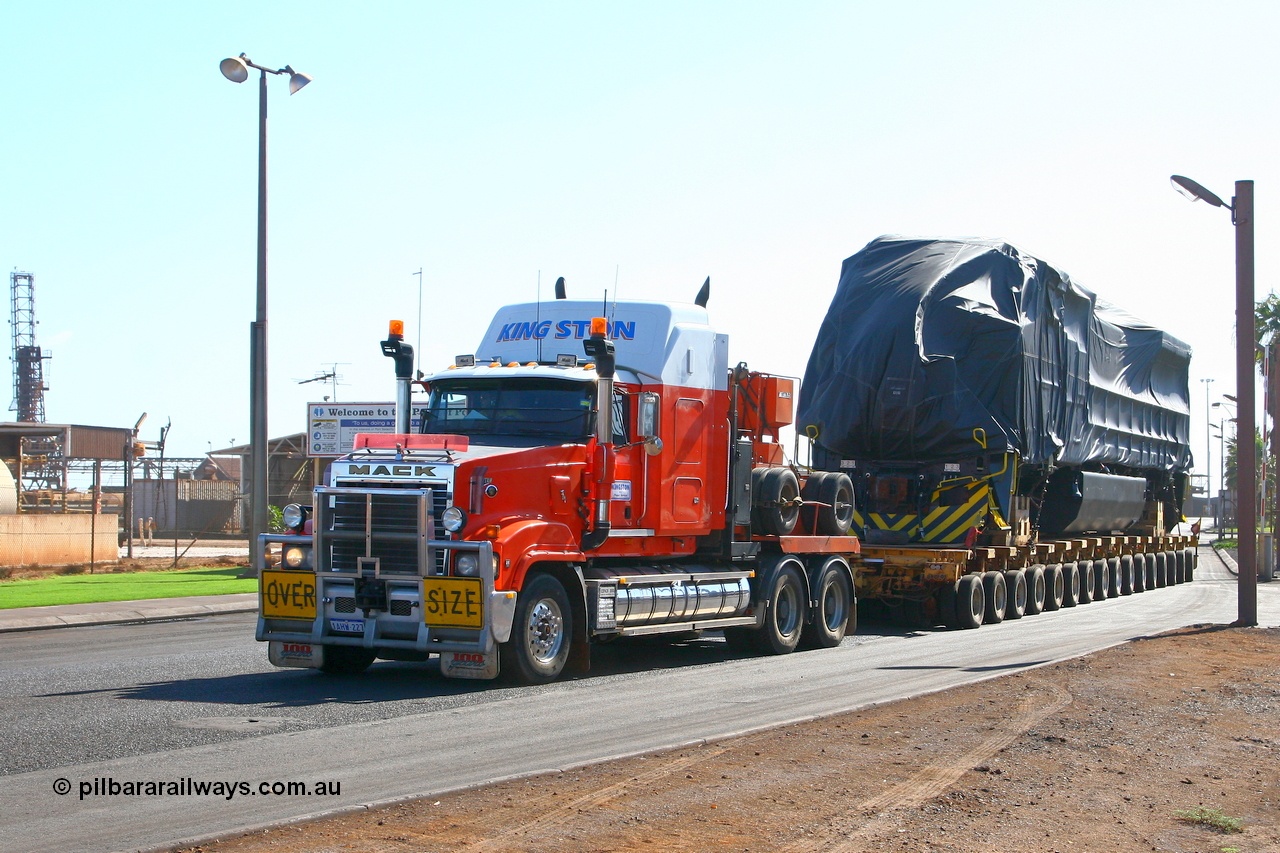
[(387, 530)]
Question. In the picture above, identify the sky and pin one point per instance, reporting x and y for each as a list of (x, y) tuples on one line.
[(637, 147)]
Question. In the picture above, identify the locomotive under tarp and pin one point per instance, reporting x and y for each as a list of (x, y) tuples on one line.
[(941, 361)]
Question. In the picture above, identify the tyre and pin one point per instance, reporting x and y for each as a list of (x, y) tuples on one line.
[(1114, 578), (1015, 582), (997, 594), (1054, 587), (1193, 560), (1084, 568), (1139, 573), (785, 611), (828, 503), (1037, 590), (1162, 569), (809, 497), (833, 607), (541, 633), (1126, 574), (971, 601), (947, 598), (1070, 584), (346, 660), (1150, 571), (1101, 579), (1180, 566), (777, 501)]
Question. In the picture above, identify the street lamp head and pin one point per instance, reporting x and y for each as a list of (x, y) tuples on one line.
[(296, 80), (1195, 192), (234, 68)]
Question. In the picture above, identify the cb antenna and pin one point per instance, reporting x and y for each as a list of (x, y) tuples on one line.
[(613, 315)]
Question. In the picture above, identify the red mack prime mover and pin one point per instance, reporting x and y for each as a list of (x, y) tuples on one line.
[(578, 480)]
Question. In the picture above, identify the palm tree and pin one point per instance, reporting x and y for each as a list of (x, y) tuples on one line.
[(1260, 456)]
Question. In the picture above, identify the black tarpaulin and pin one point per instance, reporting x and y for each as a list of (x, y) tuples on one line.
[(932, 348)]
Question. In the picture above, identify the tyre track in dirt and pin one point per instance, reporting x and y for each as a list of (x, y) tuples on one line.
[(933, 780), (563, 813)]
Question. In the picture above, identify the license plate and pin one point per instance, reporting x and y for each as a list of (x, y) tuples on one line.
[(288, 595), (350, 626), (452, 603)]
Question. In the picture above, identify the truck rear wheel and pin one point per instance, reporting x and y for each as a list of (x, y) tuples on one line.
[(1113, 577), (1149, 571), (1070, 584), (1162, 569), (784, 616), (1192, 560), (1101, 579), (833, 597), (1180, 566), (540, 635), (1126, 574), (997, 594), (1055, 587), (346, 660), (1084, 568), (1037, 589), (971, 601), (1015, 582)]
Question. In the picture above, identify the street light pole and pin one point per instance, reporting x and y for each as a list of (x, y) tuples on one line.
[(1241, 208), (236, 69), (1208, 458)]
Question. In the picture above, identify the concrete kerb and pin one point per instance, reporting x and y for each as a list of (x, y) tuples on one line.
[(117, 612), (1227, 559)]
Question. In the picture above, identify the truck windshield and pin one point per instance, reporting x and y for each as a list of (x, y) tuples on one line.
[(522, 408)]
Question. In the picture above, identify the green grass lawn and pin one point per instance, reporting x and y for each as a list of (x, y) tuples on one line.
[(83, 589)]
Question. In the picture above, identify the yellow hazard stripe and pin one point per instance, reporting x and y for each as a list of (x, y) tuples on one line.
[(942, 524), (950, 523)]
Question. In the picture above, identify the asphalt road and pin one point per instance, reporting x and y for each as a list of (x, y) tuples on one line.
[(195, 702)]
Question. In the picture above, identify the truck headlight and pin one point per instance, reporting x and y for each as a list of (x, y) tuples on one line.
[(297, 557), (466, 564), (453, 519), (293, 516)]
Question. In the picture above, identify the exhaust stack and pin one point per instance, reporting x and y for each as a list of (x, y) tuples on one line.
[(600, 349), (395, 347)]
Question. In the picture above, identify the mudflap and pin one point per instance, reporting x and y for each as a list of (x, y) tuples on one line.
[(300, 655), (469, 665)]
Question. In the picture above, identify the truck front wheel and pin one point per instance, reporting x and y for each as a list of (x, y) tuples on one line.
[(540, 636)]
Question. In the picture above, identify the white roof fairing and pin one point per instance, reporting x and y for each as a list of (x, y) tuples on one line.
[(671, 343)]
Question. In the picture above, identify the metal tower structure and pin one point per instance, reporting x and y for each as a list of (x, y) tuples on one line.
[(28, 361), (42, 459)]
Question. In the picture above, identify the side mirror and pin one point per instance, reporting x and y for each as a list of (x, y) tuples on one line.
[(653, 445), (647, 417)]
